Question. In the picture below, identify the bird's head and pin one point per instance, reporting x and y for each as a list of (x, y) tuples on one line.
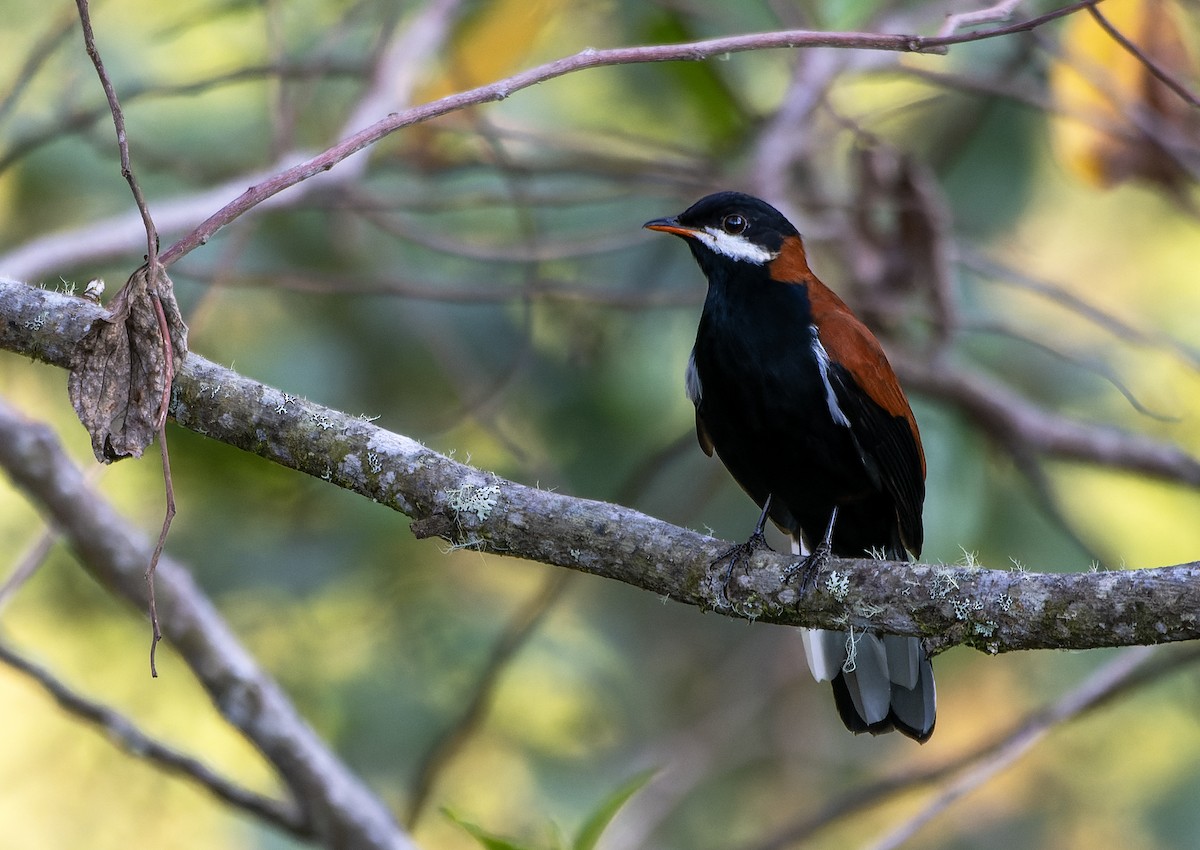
[(730, 227)]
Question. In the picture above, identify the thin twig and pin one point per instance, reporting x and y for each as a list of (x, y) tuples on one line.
[(1032, 466), (120, 731), (705, 742), (565, 291), (39, 53), (27, 564), (114, 105), (1001, 11), (1007, 416), (524, 251), (161, 424), (1130, 670), (1097, 367), (1160, 73), (35, 554), (1109, 322), (154, 272), (584, 60), (521, 627)]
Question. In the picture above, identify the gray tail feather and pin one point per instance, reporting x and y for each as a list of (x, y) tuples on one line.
[(880, 682)]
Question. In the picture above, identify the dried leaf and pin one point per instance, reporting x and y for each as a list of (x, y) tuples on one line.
[(121, 369)]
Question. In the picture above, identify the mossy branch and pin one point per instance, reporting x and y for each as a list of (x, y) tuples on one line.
[(993, 610)]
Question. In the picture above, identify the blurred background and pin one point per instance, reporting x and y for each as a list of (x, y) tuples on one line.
[(1019, 215)]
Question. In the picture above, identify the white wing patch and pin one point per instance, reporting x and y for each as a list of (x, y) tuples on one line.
[(735, 247), (692, 380), (823, 366)]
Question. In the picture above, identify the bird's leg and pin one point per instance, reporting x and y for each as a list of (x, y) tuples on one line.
[(810, 566), (740, 554)]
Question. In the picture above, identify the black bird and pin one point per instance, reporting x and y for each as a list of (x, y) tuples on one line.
[(796, 397)]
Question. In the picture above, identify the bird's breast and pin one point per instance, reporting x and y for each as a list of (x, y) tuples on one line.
[(757, 368)]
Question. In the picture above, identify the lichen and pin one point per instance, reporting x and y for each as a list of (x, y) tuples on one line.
[(471, 499), (838, 585)]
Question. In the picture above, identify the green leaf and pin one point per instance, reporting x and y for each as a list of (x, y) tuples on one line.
[(598, 821), (489, 840)]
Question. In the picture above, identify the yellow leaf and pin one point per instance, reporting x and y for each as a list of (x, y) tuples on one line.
[(494, 43), (1115, 120)]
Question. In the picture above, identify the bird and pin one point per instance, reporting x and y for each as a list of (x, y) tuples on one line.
[(797, 399)]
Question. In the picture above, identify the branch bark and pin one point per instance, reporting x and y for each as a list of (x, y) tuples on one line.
[(992, 610)]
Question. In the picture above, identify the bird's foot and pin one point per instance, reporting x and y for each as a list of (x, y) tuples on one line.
[(740, 555), (807, 568)]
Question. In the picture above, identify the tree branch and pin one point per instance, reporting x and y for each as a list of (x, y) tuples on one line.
[(972, 767), (521, 626), (1153, 67), (337, 810), (120, 731), (581, 61), (1005, 416), (29, 260), (391, 88), (992, 610)]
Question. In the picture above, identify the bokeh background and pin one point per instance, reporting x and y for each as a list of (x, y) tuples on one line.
[(1023, 209)]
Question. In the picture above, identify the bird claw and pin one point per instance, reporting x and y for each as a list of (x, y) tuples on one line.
[(740, 554), (808, 568)]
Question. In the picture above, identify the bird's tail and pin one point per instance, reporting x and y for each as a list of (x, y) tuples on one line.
[(880, 682)]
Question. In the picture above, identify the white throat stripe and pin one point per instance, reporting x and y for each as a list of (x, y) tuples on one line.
[(735, 247)]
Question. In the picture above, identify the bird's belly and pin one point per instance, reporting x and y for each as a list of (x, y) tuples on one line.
[(774, 431)]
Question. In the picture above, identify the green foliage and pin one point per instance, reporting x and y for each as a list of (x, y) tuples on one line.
[(589, 834), (598, 820), (485, 838)]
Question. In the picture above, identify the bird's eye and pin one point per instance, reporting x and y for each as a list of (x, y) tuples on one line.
[(734, 223)]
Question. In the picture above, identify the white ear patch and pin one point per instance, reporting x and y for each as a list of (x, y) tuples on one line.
[(735, 247)]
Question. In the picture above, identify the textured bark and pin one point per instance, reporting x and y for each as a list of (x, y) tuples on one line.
[(993, 610)]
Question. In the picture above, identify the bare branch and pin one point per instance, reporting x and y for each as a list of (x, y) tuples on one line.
[(336, 808), (1008, 418), (114, 105), (1130, 670), (27, 564), (37, 56), (993, 610), (1153, 67), (1117, 326), (584, 60), (1000, 11), (520, 628), (1100, 684), (112, 237), (122, 733), (116, 236), (82, 119)]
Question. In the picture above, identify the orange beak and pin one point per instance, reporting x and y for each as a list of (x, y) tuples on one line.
[(670, 225)]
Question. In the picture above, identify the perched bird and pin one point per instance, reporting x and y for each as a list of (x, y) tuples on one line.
[(797, 399)]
